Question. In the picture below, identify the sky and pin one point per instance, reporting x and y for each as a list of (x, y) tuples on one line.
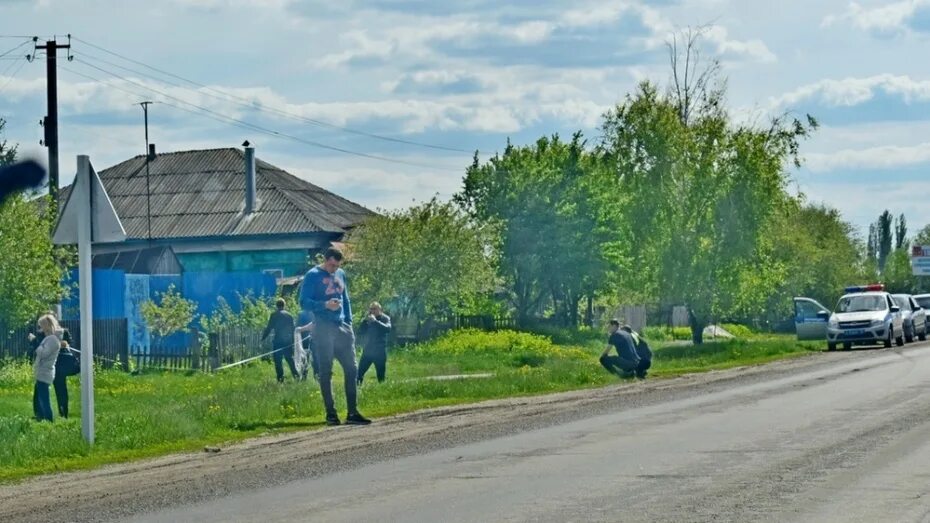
[(385, 101)]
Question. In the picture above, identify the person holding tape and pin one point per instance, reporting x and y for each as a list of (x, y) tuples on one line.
[(325, 294), (281, 323)]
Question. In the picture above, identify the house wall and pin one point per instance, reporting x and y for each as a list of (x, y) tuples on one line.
[(291, 262)]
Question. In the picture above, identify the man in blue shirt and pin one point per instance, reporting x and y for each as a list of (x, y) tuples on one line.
[(325, 294)]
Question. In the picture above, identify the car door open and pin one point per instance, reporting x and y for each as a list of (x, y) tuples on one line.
[(810, 319)]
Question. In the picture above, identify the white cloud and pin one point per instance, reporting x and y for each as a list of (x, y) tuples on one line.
[(859, 204), (725, 46), (881, 157), (886, 19), (416, 36), (855, 91)]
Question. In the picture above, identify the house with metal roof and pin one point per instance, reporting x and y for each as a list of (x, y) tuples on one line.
[(224, 210)]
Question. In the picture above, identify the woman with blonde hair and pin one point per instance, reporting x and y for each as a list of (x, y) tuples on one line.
[(44, 366)]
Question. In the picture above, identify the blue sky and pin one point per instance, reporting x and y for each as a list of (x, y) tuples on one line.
[(468, 75)]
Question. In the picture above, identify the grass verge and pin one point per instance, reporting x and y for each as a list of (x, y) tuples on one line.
[(159, 413)]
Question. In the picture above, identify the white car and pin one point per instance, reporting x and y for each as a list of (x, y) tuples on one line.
[(863, 316), (915, 317)]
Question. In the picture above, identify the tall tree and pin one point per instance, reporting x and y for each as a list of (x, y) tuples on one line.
[(29, 274), (883, 238), (872, 245), (547, 204), (900, 232), (702, 191), (819, 253)]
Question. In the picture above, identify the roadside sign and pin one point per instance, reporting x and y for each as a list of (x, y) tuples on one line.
[(88, 216), (920, 260)]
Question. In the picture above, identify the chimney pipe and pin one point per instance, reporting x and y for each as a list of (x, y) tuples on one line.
[(151, 151), (250, 195)]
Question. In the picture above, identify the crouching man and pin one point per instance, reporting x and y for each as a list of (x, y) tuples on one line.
[(642, 350), (625, 363)]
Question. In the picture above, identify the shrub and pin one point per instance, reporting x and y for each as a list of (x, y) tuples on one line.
[(505, 343)]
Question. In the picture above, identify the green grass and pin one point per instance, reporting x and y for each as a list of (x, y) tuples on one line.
[(159, 413)]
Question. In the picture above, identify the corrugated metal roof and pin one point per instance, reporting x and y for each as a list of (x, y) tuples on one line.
[(202, 193)]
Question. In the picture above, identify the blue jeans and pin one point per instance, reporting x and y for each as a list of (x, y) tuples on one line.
[(42, 402)]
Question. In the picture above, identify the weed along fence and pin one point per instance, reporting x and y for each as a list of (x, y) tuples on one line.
[(199, 351), (110, 341), (202, 351), (411, 329)]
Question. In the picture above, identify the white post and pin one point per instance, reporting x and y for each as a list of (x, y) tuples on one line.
[(85, 271)]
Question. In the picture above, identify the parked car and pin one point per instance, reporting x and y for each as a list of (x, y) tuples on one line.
[(914, 315), (863, 316)]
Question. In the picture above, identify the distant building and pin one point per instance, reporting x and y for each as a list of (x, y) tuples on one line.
[(219, 210)]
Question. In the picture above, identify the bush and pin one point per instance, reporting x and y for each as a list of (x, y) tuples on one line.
[(667, 334), (523, 346)]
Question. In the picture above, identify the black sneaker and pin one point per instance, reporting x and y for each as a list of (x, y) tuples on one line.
[(357, 419), (332, 420)]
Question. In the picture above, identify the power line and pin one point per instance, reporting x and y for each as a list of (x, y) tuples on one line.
[(15, 48), (229, 97), (9, 80), (209, 113)]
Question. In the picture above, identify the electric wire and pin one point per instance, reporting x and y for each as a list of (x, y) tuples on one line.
[(228, 97)]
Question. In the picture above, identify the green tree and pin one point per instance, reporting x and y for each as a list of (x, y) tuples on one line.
[(820, 255), (900, 232), (898, 276), (547, 204), (883, 239), (171, 314), (428, 259), (29, 275), (703, 192)]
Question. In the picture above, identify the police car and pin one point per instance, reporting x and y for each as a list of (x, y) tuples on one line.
[(865, 315)]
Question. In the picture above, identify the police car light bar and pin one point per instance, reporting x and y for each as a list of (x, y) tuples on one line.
[(866, 288)]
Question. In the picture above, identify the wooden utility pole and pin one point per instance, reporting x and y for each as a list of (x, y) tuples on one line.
[(50, 122)]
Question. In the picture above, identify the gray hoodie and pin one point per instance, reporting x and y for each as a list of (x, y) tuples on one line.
[(46, 355)]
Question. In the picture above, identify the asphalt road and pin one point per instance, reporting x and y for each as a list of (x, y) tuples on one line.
[(843, 437)]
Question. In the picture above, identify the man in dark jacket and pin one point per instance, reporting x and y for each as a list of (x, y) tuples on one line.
[(374, 335), (282, 323), (625, 363), (642, 350)]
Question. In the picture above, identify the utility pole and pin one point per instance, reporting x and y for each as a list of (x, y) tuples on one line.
[(148, 159), (51, 48)]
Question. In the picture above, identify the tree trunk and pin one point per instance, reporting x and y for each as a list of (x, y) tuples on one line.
[(589, 312), (697, 328), (573, 311)]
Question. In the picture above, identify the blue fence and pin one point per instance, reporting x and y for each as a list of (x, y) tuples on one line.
[(120, 295), (109, 291)]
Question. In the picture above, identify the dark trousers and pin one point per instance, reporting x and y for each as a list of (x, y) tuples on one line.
[(41, 402), (284, 353), (618, 365), (61, 393), (336, 342), (378, 357), (644, 366), (311, 355)]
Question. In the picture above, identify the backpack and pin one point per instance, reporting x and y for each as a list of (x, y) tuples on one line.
[(68, 362)]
